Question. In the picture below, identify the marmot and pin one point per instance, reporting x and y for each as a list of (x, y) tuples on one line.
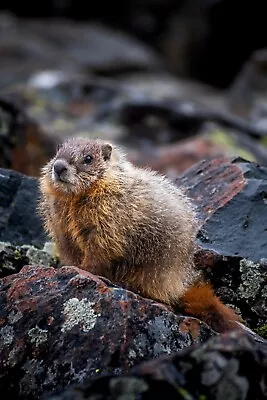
[(130, 225)]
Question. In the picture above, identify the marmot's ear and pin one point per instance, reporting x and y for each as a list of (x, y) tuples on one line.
[(106, 151)]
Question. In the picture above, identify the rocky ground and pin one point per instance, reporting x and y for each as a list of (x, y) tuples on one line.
[(67, 334)]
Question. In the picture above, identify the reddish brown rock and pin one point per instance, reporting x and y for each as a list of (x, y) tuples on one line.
[(212, 183), (175, 158), (59, 327), (231, 197), (231, 200)]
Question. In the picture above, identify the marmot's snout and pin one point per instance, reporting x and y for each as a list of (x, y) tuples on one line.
[(60, 171)]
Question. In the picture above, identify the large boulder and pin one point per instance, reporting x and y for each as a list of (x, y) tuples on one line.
[(62, 326)]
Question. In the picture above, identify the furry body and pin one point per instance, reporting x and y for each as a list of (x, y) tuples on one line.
[(130, 225)]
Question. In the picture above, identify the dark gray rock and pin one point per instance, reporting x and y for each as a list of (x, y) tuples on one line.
[(232, 366), (35, 45), (13, 258), (23, 145), (19, 221)]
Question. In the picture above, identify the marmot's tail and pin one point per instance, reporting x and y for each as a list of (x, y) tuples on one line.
[(200, 301)]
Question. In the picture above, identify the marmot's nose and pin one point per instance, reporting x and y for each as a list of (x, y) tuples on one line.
[(60, 167)]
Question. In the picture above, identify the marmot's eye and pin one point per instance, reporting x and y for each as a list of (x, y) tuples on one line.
[(88, 159)]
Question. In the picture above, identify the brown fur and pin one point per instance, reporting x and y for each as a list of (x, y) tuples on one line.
[(199, 300), (130, 225)]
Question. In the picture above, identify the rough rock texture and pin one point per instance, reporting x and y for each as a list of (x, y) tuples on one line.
[(231, 200), (19, 222), (62, 326), (13, 258), (232, 366)]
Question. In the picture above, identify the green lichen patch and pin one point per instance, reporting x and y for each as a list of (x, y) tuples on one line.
[(185, 394), (262, 331), (79, 312)]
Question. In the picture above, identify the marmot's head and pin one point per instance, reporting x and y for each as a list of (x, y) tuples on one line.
[(77, 164)]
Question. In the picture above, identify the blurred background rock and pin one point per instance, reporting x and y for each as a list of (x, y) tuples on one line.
[(70, 68)]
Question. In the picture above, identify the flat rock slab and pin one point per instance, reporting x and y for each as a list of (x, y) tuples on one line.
[(61, 326), (233, 366), (19, 222), (231, 199)]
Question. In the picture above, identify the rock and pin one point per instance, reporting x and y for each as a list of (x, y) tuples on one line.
[(248, 92), (23, 54), (63, 326), (19, 222), (230, 197), (173, 159), (13, 258), (100, 48), (23, 145), (30, 46), (67, 104), (162, 86), (48, 72), (233, 365)]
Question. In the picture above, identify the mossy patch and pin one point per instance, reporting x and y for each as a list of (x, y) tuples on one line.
[(229, 143), (262, 331)]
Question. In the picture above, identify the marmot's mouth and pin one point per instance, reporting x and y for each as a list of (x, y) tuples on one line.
[(59, 178), (62, 179), (62, 184)]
